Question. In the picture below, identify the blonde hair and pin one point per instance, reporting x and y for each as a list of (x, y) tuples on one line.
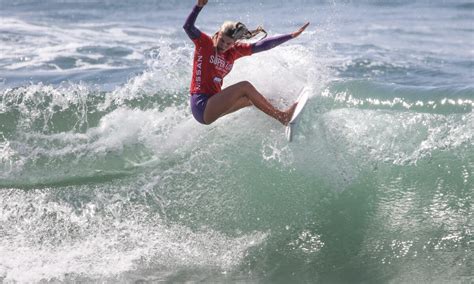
[(227, 27), (238, 31)]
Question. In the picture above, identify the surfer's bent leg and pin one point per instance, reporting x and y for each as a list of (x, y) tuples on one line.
[(241, 103), (233, 97)]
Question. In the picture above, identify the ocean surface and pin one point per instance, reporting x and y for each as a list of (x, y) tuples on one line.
[(106, 177)]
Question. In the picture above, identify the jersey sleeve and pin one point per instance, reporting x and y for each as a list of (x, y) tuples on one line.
[(270, 43), (189, 26), (202, 40), (241, 50)]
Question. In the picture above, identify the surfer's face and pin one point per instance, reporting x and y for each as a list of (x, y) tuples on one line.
[(223, 42)]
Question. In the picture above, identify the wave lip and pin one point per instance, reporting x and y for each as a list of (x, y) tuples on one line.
[(373, 95)]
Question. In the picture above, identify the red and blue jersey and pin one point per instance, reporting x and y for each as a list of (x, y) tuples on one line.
[(210, 67)]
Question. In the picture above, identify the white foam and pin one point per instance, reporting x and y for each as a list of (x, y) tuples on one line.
[(281, 72), (98, 243), (39, 45)]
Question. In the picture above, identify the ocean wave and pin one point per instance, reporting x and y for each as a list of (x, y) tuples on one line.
[(102, 238), (33, 46), (102, 134), (373, 95), (105, 176)]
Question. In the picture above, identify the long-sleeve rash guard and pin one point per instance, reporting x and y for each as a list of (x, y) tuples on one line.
[(210, 67)]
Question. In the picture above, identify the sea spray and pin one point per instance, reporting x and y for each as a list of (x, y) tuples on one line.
[(105, 175)]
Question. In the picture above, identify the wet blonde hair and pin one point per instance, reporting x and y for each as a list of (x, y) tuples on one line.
[(238, 31)]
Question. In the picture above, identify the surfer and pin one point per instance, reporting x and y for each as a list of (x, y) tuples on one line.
[(213, 60)]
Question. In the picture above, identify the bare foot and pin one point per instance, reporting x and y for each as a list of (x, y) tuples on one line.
[(288, 114)]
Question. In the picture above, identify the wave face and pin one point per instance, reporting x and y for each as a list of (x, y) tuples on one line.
[(106, 177)]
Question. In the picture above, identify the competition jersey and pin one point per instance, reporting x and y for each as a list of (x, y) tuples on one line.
[(210, 67)]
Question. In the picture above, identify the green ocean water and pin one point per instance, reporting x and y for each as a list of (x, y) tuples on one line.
[(105, 177)]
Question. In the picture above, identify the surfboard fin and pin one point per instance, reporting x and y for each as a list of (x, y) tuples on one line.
[(289, 132)]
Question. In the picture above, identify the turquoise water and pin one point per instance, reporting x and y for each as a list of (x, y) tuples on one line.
[(106, 177)]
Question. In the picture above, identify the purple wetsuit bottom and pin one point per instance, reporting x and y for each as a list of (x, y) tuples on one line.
[(198, 105)]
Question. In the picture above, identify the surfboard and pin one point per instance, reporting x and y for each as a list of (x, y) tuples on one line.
[(302, 100)]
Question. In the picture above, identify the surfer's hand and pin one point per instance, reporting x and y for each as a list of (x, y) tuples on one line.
[(298, 32), (201, 3)]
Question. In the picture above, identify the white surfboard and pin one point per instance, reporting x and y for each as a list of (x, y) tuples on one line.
[(302, 100)]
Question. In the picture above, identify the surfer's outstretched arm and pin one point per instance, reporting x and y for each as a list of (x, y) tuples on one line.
[(189, 26), (272, 42)]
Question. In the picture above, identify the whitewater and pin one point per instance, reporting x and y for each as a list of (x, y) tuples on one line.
[(106, 177)]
